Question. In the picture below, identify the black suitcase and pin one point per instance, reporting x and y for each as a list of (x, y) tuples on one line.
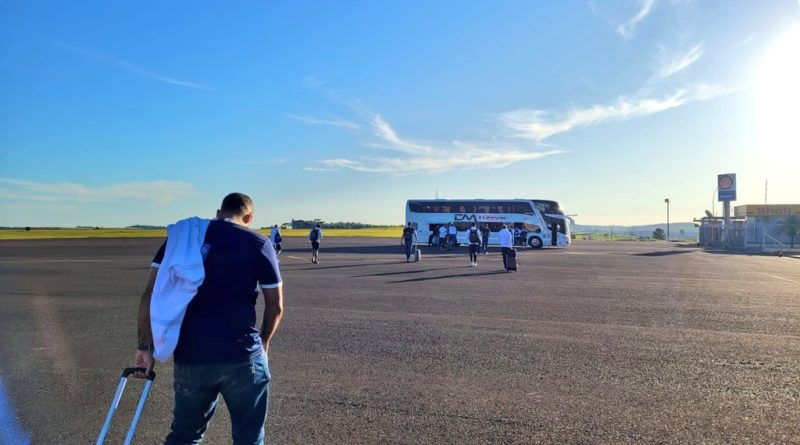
[(511, 260), (115, 402)]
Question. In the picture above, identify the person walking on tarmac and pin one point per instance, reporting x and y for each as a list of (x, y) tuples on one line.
[(442, 237), (220, 350), (275, 237), (315, 237), (506, 244), (409, 238), (485, 232), (452, 232), (474, 236)]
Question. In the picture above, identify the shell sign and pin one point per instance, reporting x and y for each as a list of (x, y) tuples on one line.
[(768, 210)]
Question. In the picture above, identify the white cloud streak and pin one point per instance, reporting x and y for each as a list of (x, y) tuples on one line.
[(383, 131), (130, 67), (626, 29), (539, 125), (417, 158), (163, 192), (333, 122), (680, 63)]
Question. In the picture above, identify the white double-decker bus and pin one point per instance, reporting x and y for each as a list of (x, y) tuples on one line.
[(542, 221)]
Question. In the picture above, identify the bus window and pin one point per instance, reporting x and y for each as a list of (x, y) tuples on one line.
[(462, 226), (532, 228)]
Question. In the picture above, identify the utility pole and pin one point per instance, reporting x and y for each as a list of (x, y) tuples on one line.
[(667, 201)]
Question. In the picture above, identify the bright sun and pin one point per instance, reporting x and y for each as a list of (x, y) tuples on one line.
[(777, 95)]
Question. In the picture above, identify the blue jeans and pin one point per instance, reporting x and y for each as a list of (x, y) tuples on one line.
[(245, 387), (409, 248)]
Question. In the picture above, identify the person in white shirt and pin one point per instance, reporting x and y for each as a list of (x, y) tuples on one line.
[(506, 243), (452, 232), (442, 237), (315, 236)]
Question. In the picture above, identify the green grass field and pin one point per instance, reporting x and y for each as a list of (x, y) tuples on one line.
[(10, 234)]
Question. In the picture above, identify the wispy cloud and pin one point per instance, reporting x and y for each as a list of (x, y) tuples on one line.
[(160, 191), (681, 62), (426, 158), (315, 121), (626, 29), (318, 169), (390, 141), (130, 67), (539, 125)]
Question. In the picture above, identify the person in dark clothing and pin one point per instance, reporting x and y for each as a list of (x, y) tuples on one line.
[(554, 234), (220, 350), (474, 238), (409, 238), (485, 232)]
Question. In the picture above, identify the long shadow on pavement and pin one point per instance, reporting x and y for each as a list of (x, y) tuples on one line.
[(393, 249), (663, 253), (341, 266), (386, 274), (410, 280)]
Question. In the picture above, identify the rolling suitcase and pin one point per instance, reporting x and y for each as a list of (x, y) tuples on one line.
[(417, 255), (511, 260), (115, 402)]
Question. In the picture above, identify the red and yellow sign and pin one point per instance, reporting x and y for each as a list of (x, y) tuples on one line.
[(767, 210)]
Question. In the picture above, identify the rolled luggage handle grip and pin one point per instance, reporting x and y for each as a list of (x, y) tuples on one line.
[(128, 371)]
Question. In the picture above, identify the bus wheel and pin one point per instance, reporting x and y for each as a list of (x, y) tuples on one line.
[(535, 242)]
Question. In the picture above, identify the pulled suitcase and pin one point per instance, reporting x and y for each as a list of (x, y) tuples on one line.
[(511, 260), (115, 402), (417, 255)]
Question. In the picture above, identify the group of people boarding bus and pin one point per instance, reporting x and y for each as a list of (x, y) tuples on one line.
[(478, 240)]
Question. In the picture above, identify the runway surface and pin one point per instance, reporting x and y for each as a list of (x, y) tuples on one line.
[(620, 342)]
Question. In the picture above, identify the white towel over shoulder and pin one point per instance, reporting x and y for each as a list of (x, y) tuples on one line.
[(180, 275)]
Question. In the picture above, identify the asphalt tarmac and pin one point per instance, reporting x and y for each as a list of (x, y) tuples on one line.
[(625, 342)]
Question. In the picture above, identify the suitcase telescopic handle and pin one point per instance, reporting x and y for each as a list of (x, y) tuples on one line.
[(128, 371)]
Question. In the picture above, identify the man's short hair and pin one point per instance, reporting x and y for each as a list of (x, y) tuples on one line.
[(237, 204)]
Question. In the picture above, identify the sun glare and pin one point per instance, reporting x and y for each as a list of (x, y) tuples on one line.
[(777, 99)]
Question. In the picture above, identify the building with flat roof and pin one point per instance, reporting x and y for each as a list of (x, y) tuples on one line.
[(769, 227), (772, 227)]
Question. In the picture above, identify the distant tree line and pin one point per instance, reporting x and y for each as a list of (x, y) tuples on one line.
[(308, 224)]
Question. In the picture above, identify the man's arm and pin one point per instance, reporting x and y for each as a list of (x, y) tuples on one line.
[(273, 312), (144, 358)]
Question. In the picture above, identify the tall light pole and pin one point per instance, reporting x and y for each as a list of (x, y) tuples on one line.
[(667, 201)]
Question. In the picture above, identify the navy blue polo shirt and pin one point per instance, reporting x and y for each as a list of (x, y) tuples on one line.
[(220, 322)]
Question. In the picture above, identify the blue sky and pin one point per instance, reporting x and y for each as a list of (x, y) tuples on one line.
[(146, 112)]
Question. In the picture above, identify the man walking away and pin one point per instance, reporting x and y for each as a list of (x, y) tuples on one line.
[(485, 232), (275, 237), (474, 236), (506, 244), (554, 234), (442, 237), (219, 349), (315, 237), (452, 233), (408, 238)]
